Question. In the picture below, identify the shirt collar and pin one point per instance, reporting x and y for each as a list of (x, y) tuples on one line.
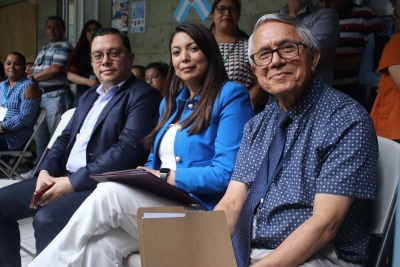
[(51, 44), (185, 93), (112, 90), (298, 111)]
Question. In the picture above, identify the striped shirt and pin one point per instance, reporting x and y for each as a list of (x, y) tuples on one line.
[(21, 115), (53, 53), (357, 23)]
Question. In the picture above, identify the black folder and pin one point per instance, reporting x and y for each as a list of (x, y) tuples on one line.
[(145, 180)]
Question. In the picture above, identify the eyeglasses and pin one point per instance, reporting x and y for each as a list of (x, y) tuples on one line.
[(232, 9), (286, 51), (112, 54), (152, 78)]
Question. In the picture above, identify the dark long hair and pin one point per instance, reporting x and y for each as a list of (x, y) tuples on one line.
[(82, 43), (208, 91), (160, 66)]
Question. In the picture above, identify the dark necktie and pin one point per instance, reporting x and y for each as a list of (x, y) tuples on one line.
[(242, 236)]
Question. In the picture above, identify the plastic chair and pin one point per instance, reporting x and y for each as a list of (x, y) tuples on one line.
[(65, 118), (383, 208), (20, 154)]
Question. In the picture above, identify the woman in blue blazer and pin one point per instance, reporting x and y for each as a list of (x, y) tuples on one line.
[(193, 147)]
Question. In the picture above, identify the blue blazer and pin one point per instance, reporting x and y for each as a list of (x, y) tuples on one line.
[(116, 141), (205, 161)]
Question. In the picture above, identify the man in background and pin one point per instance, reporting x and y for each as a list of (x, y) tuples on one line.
[(48, 71), (357, 23)]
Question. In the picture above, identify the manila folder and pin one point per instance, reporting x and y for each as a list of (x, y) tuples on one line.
[(195, 239)]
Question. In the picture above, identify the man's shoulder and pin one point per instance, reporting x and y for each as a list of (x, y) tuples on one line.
[(363, 10), (325, 13), (341, 107), (63, 43), (138, 86)]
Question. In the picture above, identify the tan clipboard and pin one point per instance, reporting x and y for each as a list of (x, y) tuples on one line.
[(199, 239)]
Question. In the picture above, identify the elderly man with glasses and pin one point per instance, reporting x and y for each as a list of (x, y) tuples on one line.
[(305, 171), (105, 134)]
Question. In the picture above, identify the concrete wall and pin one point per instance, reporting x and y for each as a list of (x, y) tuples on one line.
[(46, 8), (18, 29), (152, 45)]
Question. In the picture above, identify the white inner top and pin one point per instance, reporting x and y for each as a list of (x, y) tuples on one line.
[(166, 150)]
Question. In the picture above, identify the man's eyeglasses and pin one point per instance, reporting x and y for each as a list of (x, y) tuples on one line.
[(286, 51), (232, 9), (112, 54), (153, 78)]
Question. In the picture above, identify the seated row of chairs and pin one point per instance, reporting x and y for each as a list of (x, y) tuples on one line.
[(382, 213)]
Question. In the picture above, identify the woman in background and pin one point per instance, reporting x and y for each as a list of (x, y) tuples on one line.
[(156, 75), (233, 46), (138, 71), (79, 67), (20, 104), (194, 146), (386, 110)]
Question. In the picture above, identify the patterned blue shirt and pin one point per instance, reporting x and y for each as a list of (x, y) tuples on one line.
[(53, 53), (336, 153), (22, 112)]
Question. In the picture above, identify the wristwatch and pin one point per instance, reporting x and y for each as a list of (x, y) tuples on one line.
[(164, 172)]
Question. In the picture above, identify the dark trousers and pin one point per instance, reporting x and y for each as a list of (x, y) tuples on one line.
[(3, 143), (48, 220)]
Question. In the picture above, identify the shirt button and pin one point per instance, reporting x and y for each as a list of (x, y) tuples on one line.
[(190, 106), (179, 127), (178, 159)]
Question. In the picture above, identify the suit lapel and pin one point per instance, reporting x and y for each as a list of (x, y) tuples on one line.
[(83, 111), (117, 96)]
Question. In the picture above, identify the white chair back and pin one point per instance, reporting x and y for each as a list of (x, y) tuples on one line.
[(388, 170)]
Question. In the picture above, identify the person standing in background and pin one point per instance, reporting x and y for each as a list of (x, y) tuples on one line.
[(357, 23), (233, 46), (386, 110), (324, 26), (79, 67), (48, 71)]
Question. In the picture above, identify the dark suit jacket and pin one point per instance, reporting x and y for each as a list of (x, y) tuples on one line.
[(115, 143)]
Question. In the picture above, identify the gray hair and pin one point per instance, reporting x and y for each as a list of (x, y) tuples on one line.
[(303, 31)]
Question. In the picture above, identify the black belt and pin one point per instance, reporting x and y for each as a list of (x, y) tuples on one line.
[(49, 89)]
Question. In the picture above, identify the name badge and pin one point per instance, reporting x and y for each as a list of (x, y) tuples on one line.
[(3, 112)]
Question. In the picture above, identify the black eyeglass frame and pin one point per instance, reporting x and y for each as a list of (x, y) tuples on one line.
[(107, 53), (234, 10), (277, 51)]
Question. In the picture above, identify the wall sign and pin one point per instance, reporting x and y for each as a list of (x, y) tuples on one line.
[(202, 8), (138, 19), (119, 15)]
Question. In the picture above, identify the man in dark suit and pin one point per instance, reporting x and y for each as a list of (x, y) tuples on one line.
[(104, 134)]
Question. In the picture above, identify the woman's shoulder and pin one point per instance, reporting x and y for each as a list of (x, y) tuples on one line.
[(230, 87), (232, 91)]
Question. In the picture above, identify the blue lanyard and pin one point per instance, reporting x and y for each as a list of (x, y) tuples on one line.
[(286, 156), (6, 93)]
